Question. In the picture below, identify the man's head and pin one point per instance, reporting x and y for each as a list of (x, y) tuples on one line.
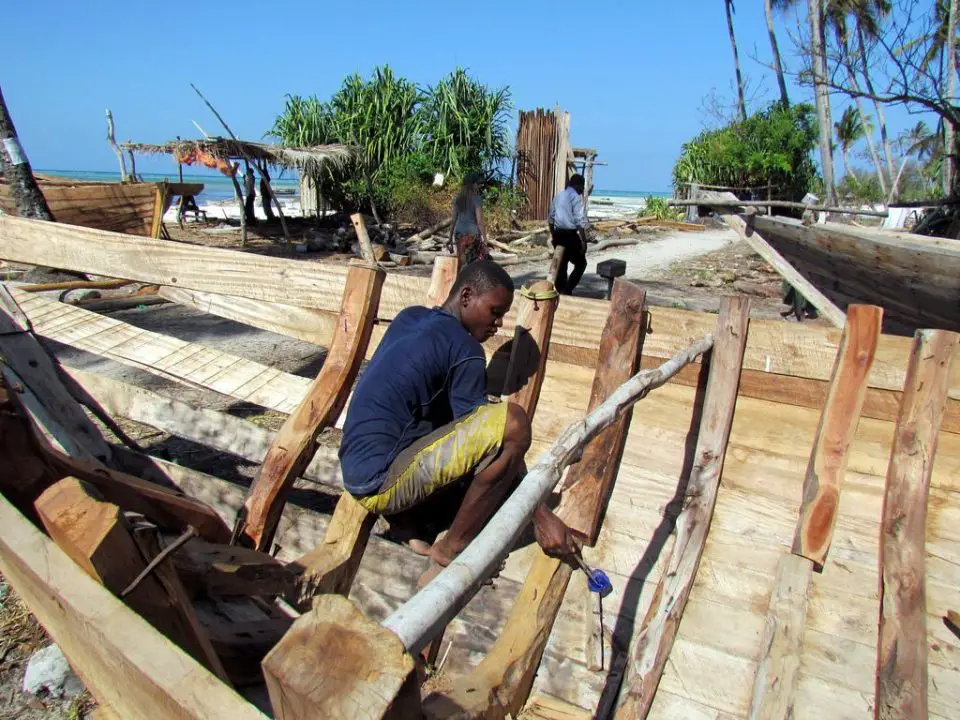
[(577, 183), (481, 296)]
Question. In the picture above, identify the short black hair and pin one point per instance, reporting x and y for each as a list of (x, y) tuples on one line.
[(577, 182), (482, 276)]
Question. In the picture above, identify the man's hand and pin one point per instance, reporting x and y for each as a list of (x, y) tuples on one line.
[(552, 535)]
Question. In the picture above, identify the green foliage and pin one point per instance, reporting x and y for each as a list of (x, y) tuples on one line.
[(658, 207), (403, 135), (773, 146), (850, 129), (860, 186)]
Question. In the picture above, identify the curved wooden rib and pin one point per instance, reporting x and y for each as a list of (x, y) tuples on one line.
[(502, 681), (660, 626), (821, 487), (292, 448), (774, 686), (902, 645)]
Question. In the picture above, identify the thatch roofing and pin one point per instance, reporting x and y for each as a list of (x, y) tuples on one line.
[(218, 152)]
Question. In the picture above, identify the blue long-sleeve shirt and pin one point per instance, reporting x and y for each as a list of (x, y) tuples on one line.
[(566, 211)]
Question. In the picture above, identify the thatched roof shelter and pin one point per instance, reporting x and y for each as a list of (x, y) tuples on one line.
[(219, 152)]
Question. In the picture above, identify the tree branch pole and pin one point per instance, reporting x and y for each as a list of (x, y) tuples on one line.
[(273, 196), (418, 620), (112, 139), (26, 193), (777, 204)]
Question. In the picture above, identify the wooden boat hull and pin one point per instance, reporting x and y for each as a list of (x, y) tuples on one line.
[(131, 208), (915, 279)]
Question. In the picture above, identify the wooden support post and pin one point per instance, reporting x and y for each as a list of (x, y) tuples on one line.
[(775, 684), (337, 663), (848, 388), (902, 645), (228, 570), (782, 644), (332, 566), (531, 344), (502, 682), (589, 483), (820, 301), (366, 247), (554, 269), (445, 270), (293, 447), (96, 537), (660, 625)]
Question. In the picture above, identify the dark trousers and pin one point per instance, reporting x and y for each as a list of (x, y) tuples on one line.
[(573, 252)]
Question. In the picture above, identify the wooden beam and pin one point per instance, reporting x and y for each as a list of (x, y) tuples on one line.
[(445, 270), (838, 425), (782, 644), (531, 344), (655, 641), (200, 425), (589, 483), (292, 448), (229, 570), (337, 663), (775, 684), (902, 644), (243, 645), (308, 324), (820, 301), (96, 537), (126, 664), (363, 238)]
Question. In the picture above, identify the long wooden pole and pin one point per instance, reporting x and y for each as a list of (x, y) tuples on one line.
[(655, 641), (735, 203), (439, 602), (901, 690)]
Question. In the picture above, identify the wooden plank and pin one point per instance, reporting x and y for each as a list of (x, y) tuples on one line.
[(308, 324), (126, 664), (207, 427), (229, 570), (292, 448), (445, 270), (531, 344), (774, 687), (749, 234), (544, 707), (821, 487), (902, 644), (12, 318), (660, 625), (159, 205), (337, 663), (363, 238), (187, 363), (589, 483)]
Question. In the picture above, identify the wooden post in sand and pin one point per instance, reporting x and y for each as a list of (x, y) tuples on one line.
[(501, 683), (902, 645), (660, 625), (332, 566), (293, 446)]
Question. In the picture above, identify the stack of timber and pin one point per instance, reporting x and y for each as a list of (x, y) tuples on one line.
[(132, 208), (780, 525), (537, 144), (915, 279)]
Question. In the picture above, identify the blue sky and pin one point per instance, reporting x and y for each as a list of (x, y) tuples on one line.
[(633, 75)]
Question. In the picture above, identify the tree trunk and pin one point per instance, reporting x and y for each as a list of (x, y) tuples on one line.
[(874, 155), (741, 102), (16, 168), (776, 54), (845, 152), (881, 117), (949, 131), (265, 193), (822, 94)]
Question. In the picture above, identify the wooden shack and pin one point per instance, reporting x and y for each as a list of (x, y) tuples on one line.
[(779, 521)]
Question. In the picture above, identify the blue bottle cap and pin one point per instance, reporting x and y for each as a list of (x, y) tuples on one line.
[(598, 582)]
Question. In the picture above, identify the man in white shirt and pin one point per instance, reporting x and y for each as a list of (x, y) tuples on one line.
[(568, 230)]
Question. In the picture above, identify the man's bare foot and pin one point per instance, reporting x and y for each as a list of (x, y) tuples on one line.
[(429, 575)]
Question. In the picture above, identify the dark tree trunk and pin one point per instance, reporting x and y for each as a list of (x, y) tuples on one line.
[(265, 194), (16, 168), (777, 65), (741, 101)]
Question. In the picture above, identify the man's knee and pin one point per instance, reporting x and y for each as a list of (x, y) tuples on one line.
[(580, 263), (517, 429)]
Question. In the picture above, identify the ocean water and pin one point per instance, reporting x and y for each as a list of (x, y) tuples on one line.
[(215, 187)]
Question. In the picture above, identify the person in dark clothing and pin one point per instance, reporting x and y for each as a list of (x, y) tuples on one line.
[(568, 229), (249, 189), (420, 421)]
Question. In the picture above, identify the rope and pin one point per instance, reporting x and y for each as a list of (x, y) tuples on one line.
[(539, 295)]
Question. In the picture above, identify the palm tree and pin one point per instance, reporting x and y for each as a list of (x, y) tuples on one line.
[(778, 67), (849, 131), (742, 104), (866, 15), (818, 57), (919, 141)]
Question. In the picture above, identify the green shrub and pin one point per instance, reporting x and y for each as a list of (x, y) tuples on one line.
[(658, 207), (770, 147)]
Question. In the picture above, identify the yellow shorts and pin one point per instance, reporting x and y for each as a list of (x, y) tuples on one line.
[(444, 456)]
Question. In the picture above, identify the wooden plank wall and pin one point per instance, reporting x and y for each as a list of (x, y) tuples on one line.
[(124, 208), (536, 161)]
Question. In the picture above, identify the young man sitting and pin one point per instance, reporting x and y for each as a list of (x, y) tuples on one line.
[(419, 420)]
